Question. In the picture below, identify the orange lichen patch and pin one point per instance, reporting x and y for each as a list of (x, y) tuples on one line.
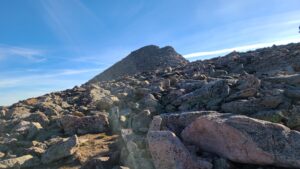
[(32, 101), (77, 113)]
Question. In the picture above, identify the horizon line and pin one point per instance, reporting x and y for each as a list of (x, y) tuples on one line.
[(241, 48)]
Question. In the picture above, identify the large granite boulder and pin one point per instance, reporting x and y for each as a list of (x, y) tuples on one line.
[(168, 152), (245, 140)]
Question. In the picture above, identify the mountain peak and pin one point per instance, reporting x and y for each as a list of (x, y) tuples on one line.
[(147, 58)]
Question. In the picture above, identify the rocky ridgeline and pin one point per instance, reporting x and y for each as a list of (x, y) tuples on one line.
[(240, 111)]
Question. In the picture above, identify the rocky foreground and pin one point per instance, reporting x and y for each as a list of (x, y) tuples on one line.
[(240, 111)]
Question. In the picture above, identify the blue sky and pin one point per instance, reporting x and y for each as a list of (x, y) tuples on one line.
[(51, 45)]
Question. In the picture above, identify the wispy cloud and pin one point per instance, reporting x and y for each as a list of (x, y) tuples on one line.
[(241, 32), (74, 72), (90, 59), (13, 89), (241, 48), (27, 53), (70, 22), (42, 78)]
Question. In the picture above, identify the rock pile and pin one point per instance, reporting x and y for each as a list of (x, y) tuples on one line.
[(240, 111)]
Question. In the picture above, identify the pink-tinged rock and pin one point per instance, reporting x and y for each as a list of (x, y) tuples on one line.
[(245, 140), (168, 152)]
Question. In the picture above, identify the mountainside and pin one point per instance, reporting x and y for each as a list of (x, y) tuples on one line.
[(145, 59), (158, 111)]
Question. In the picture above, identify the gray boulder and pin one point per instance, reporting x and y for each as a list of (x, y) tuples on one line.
[(38, 117), (83, 125), (60, 150), (248, 107), (210, 95), (287, 79), (137, 155), (242, 94), (293, 117), (292, 93), (27, 129), (140, 122), (17, 112), (248, 81)]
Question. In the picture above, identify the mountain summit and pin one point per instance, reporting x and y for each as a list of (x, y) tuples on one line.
[(148, 58)]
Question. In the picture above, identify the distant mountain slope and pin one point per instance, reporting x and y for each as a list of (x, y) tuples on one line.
[(148, 58)]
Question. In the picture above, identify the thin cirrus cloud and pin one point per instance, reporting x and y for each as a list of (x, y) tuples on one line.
[(62, 17), (26, 53), (240, 48), (240, 33), (48, 78)]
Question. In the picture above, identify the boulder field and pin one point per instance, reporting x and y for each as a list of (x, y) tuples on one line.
[(156, 110)]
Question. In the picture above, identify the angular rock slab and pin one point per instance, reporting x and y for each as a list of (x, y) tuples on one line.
[(137, 156), (25, 161), (168, 152), (289, 79), (83, 125), (245, 140), (60, 150)]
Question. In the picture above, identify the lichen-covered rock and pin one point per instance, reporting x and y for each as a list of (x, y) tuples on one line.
[(140, 122), (245, 140), (242, 94), (137, 155), (248, 107), (27, 129), (49, 108), (83, 125), (209, 95), (38, 117), (275, 116), (293, 117), (105, 103), (288, 79), (60, 150), (17, 112), (95, 93), (248, 81), (292, 93)]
